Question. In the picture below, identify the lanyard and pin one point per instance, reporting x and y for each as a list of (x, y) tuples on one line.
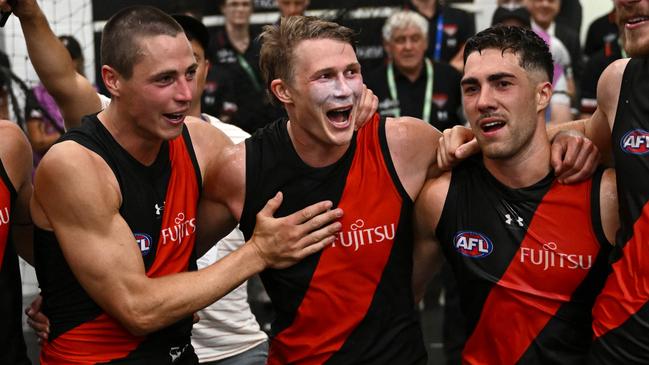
[(438, 37), (251, 74), (428, 96)]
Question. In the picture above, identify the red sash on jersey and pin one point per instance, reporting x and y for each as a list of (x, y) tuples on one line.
[(104, 339), (347, 275), (5, 218), (512, 306), (627, 287)]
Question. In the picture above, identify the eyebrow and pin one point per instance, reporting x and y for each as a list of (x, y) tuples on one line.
[(173, 72), (490, 78)]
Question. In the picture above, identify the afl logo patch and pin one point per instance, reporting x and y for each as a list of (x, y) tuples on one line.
[(635, 142), (144, 242), (472, 244)]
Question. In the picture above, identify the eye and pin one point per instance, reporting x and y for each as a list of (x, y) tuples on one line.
[(165, 79), (191, 74), (503, 84), (469, 89)]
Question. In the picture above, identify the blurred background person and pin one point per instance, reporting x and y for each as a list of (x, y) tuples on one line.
[(411, 84), (448, 30)]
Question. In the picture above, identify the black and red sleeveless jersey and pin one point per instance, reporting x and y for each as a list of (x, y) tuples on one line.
[(159, 204), (621, 312), (352, 303), (12, 343), (529, 263)]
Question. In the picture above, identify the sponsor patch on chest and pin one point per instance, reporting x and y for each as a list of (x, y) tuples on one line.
[(472, 244)]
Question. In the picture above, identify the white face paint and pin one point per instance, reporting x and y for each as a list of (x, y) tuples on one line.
[(326, 84)]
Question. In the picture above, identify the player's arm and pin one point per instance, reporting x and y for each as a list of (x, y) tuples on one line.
[(73, 93), (599, 126), (83, 210), (608, 205), (427, 255), (413, 147), (17, 157)]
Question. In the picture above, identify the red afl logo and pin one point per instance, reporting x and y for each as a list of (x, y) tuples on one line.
[(143, 240), (635, 142), (472, 244)]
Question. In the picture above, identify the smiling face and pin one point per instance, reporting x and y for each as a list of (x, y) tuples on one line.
[(633, 17), (321, 93), (504, 103), (158, 95), (407, 47)]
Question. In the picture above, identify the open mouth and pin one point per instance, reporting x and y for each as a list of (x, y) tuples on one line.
[(339, 117), (492, 126), (174, 117), (636, 20)]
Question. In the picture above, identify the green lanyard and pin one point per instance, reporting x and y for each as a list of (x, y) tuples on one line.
[(428, 96), (251, 74)]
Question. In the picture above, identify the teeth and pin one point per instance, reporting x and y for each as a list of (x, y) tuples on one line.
[(492, 124)]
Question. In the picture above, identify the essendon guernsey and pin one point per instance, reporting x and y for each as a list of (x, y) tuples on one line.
[(528, 263), (352, 303), (159, 204)]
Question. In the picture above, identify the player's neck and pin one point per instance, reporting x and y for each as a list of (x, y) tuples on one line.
[(311, 151), (529, 166), (124, 131), (239, 35), (426, 7)]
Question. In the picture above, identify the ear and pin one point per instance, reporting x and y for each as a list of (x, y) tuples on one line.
[(282, 92), (112, 80), (543, 96), (386, 48)]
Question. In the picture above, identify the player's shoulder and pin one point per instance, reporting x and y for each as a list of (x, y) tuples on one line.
[(15, 152)]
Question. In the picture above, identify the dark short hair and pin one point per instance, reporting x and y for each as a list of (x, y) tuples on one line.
[(120, 40), (532, 51), (72, 45), (194, 29), (279, 41)]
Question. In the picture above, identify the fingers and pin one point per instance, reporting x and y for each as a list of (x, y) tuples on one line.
[(557, 151), (37, 320), (272, 205), (195, 317), (308, 213), (467, 149), (584, 165), (366, 106), (456, 144)]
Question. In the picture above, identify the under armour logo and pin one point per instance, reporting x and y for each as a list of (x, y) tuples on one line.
[(509, 220), (159, 209)]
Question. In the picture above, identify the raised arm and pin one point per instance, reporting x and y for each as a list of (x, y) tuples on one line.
[(73, 93), (89, 213), (16, 156)]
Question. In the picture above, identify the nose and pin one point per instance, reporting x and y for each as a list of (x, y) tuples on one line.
[(486, 101), (342, 88), (185, 89)]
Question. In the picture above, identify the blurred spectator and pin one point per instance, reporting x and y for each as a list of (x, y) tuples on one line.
[(612, 50), (601, 32), (44, 120), (5, 84), (544, 14), (559, 109), (234, 91), (292, 7), (448, 30), (411, 84)]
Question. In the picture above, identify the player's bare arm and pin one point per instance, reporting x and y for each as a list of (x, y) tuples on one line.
[(73, 93), (413, 147), (16, 156), (427, 256), (110, 266), (608, 205)]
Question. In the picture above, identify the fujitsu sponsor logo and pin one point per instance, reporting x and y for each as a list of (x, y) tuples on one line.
[(182, 228), (4, 216), (358, 236), (550, 257), (635, 142)]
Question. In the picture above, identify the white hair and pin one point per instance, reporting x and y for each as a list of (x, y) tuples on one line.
[(402, 19)]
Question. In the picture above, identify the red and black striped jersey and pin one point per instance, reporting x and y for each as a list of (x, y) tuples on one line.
[(528, 262), (12, 343), (621, 313), (351, 303), (159, 204)]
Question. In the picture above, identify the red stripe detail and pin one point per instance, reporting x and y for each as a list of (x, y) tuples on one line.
[(5, 218), (528, 295), (98, 341), (177, 235), (627, 287), (104, 339), (347, 275)]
